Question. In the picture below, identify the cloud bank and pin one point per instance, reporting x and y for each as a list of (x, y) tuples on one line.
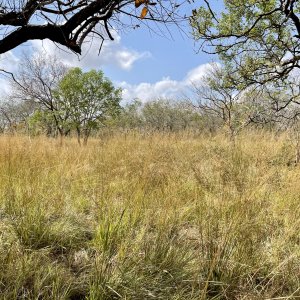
[(164, 88), (9, 63)]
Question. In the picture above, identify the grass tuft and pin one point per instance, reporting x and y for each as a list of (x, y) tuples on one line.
[(149, 217)]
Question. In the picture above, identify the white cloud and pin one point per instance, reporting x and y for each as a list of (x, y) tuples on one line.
[(195, 75), (125, 58), (8, 63), (112, 53), (165, 88), (5, 88)]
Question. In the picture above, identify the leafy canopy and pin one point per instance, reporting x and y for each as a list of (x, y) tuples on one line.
[(258, 40), (88, 97)]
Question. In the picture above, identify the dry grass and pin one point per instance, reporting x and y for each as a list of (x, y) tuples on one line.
[(149, 217)]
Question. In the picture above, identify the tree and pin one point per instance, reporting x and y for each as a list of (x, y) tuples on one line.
[(258, 40), (68, 99), (71, 22), (15, 115), (217, 97), (276, 103), (278, 108), (131, 116), (37, 78), (168, 115), (42, 122), (88, 99)]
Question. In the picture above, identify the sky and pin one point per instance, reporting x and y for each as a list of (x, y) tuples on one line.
[(145, 65)]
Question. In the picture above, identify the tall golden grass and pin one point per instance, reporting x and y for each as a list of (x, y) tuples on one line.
[(150, 217)]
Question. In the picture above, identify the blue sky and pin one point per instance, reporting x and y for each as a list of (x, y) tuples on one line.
[(171, 56), (144, 64), (167, 57)]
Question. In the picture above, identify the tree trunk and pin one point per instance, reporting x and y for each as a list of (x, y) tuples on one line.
[(297, 156), (86, 136), (61, 136), (78, 136)]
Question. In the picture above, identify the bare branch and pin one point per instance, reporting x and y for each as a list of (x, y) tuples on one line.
[(70, 22)]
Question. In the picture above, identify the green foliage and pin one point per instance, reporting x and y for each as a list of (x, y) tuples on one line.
[(88, 99), (256, 38), (41, 122), (131, 116), (164, 114), (160, 114)]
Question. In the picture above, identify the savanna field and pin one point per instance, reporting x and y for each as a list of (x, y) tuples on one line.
[(150, 216)]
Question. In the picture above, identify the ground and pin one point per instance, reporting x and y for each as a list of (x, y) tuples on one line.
[(150, 216)]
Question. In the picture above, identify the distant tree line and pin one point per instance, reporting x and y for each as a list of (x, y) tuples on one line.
[(51, 99), (256, 84)]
